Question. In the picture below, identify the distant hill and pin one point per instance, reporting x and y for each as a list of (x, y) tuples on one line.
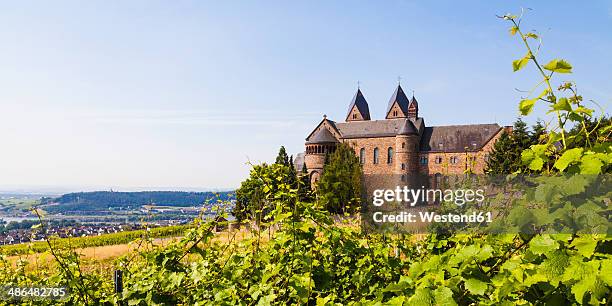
[(103, 200)]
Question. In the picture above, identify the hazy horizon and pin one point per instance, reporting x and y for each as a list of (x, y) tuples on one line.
[(147, 93), (59, 190)]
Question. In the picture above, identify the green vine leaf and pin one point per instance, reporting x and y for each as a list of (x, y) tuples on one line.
[(568, 157), (532, 160), (444, 297), (520, 63), (590, 164), (542, 244), (584, 110), (558, 66), (526, 106), (562, 105), (585, 245), (589, 284), (476, 286)]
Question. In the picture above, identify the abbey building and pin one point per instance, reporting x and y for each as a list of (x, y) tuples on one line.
[(401, 143)]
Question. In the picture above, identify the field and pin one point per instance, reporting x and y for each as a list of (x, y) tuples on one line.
[(21, 203), (93, 241)]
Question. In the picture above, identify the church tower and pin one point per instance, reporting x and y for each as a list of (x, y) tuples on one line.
[(407, 149), (413, 109), (358, 109), (398, 104)]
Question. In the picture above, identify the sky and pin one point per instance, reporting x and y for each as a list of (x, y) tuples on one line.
[(185, 94)]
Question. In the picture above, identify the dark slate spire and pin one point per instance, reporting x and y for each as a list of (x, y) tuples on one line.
[(402, 101), (407, 128), (361, 104), (413, 109)]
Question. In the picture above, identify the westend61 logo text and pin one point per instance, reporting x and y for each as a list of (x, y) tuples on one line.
[(424, 195)]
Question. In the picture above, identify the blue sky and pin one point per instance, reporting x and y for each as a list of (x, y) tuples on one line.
[(182, 94)]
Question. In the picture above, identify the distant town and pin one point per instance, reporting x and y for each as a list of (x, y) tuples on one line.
[(101, 212)]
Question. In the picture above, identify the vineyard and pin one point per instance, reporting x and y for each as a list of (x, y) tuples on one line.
[(296, 252), (93, 241)]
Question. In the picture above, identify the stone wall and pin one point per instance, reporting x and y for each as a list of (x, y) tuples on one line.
[(475, 160), (369, 144), (462, 160)]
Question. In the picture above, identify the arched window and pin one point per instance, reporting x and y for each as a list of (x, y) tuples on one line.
[(390, 155), (403, 145), (403, 166), (375, 155), (362, 156)]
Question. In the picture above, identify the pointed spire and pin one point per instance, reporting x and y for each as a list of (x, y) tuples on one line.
[(402, 101), (358, 109), (413, 109)]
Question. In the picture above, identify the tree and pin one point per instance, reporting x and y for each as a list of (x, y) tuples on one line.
[(538, 130), (304, 191), (264, 179), (505, 157), (498, 162), (520, 134), (282, 158), (249, 197), (339, 188)]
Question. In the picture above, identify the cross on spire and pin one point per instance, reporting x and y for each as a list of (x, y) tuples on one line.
[(358, 85), (399, 80)]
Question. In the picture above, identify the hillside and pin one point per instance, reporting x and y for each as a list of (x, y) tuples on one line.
[(103, 200)]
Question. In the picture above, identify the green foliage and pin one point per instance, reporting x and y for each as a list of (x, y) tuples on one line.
[(282, 158), (305, 193), (505, 157), (339, 188), (103, 200), (250, 197), (93, 241)]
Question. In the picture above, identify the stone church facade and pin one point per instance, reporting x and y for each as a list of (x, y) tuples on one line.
[(401, 144)]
